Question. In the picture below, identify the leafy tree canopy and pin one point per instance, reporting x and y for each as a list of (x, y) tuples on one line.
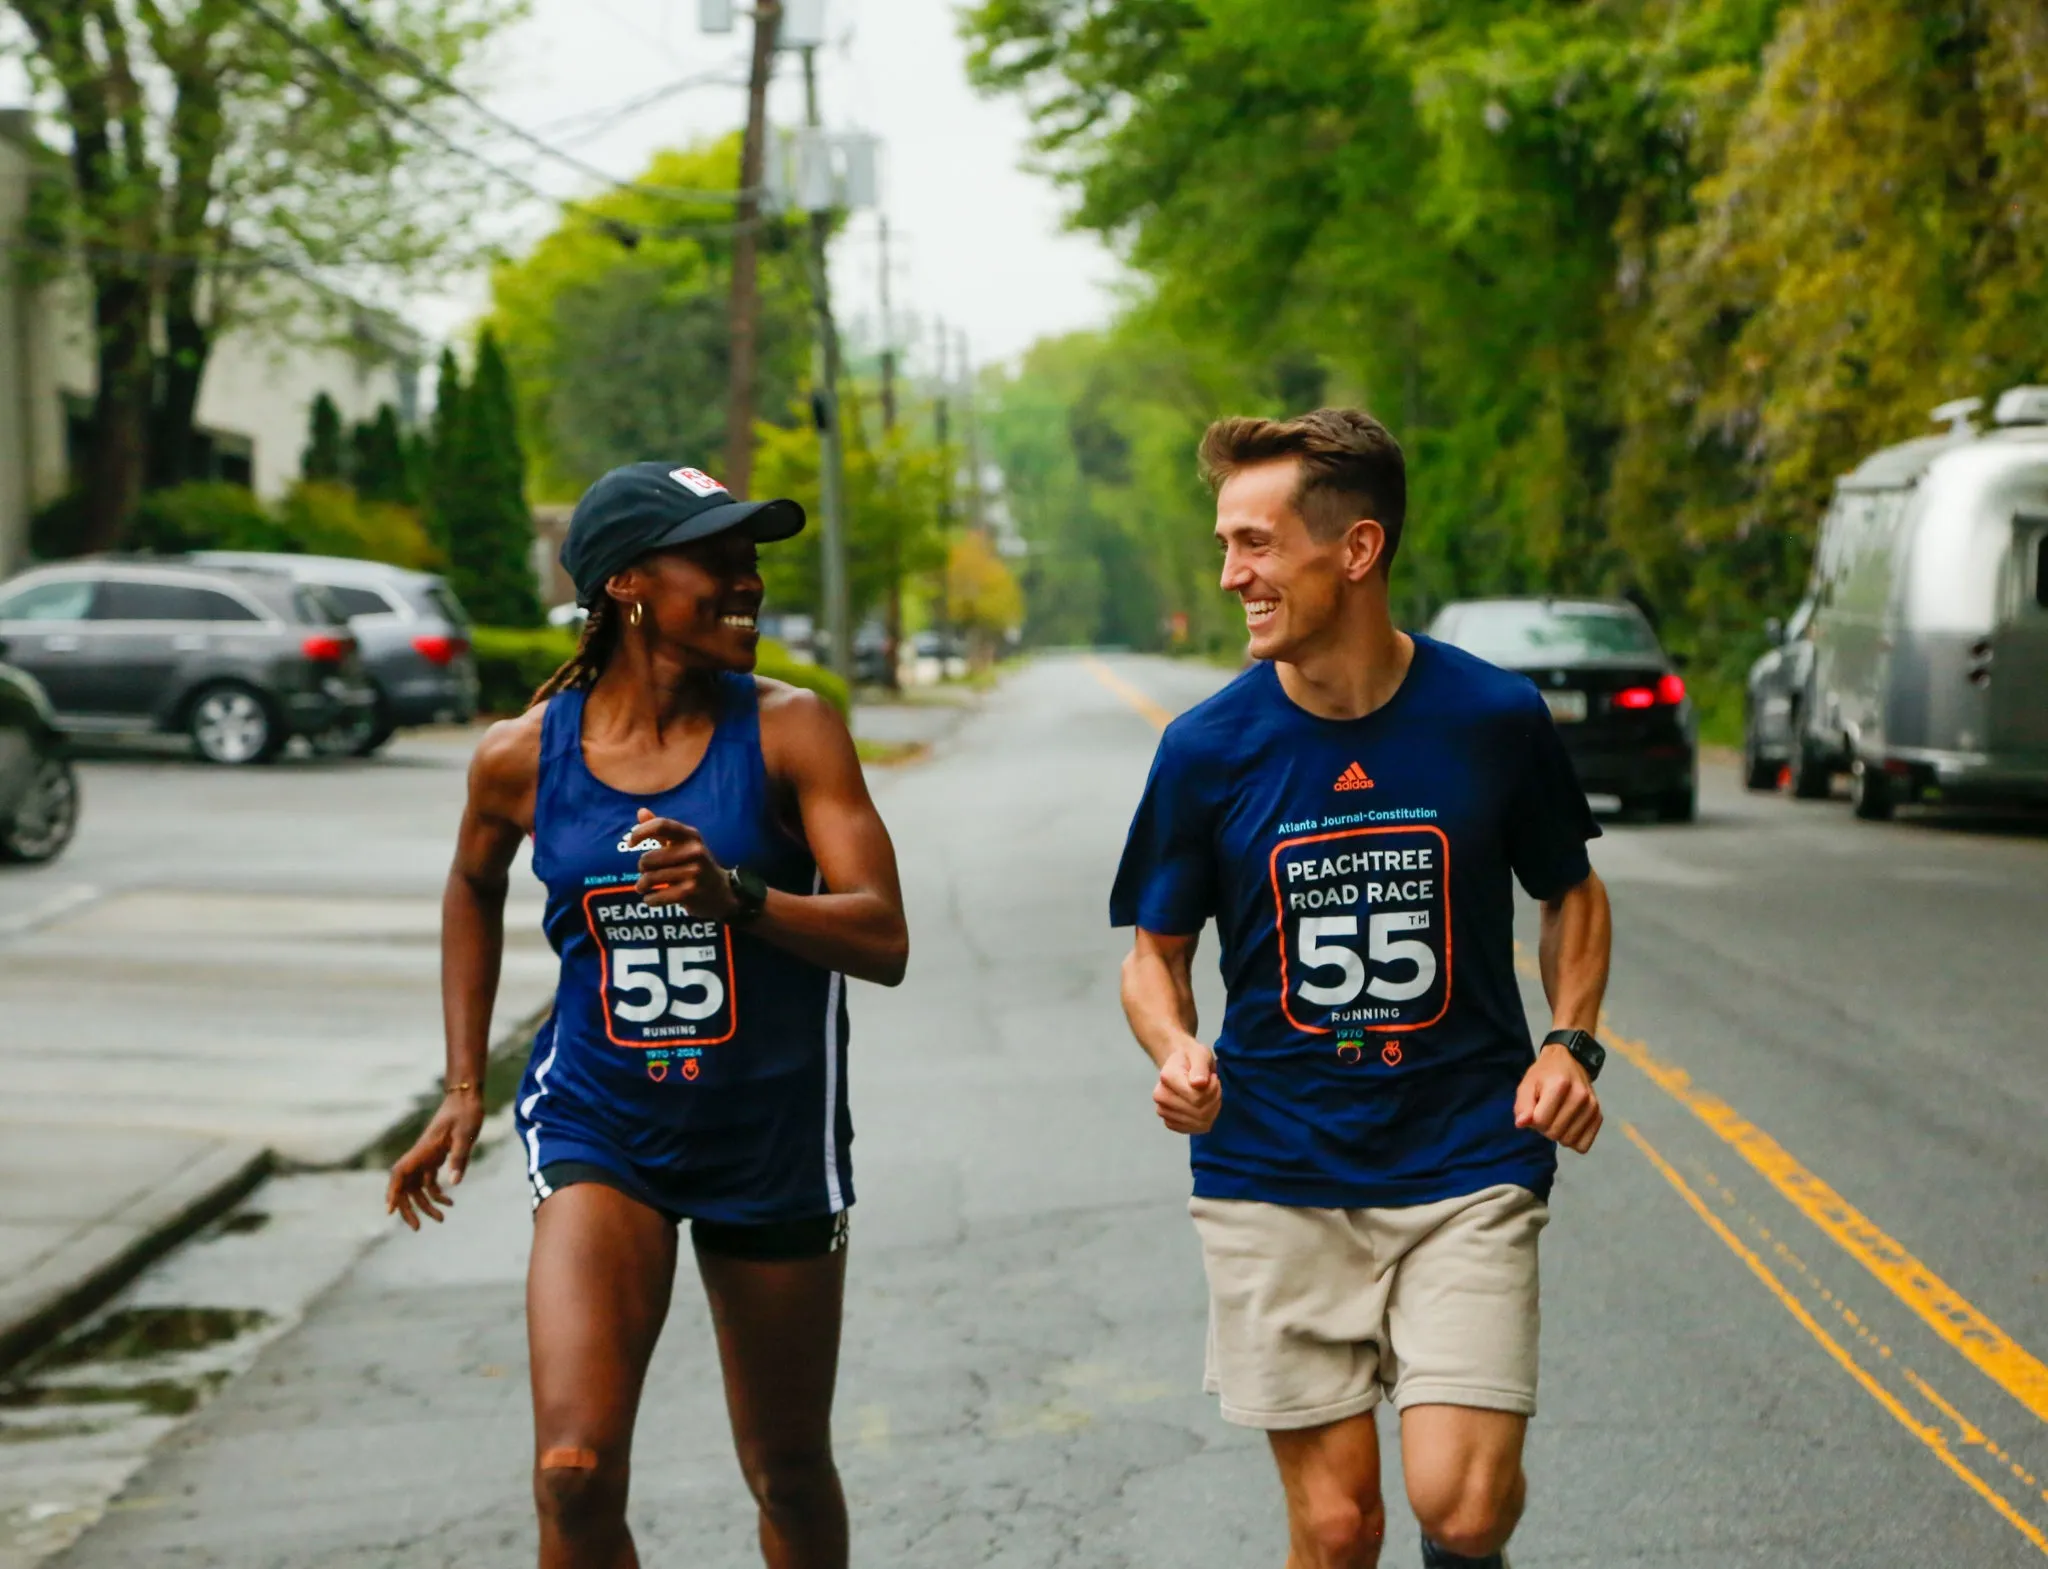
[(1632, 280), (615, 325), (216, 169)]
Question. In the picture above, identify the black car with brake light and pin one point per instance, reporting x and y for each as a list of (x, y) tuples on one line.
[(1618, 698)]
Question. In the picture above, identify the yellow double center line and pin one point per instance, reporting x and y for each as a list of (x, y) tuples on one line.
[(1928, 1434), (1945, 1310), (1159, 717)]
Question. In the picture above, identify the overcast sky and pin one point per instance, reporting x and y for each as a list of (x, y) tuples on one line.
[(977, 241)]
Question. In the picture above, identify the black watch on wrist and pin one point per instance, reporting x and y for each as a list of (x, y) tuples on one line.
[(1586, 1052), (749, 893)]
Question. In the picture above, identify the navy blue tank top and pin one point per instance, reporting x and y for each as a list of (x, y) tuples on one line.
[(702, 1065)]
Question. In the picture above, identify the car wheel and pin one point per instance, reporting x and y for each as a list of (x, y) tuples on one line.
[(1680, 806), (361, 734), (381, 731), (1758, 772), (1812, 779), (46, 816), (1870, 792), (232, 725)]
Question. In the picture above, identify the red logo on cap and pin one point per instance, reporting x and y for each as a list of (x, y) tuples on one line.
[(697, 482)]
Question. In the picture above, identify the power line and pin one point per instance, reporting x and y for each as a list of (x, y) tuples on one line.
[(628, 234), (233, 260), (427, 75), (370, 92), (590, 123)]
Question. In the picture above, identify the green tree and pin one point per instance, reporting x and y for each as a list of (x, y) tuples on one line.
[(209, 157), (378, 461), (1872, 240), (615, 325), (324, 457), (895, 501), (488, 524), (437, 458), (1632, 281)]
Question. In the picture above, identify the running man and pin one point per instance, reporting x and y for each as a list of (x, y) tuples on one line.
[(714, 867), (1373, 1136)]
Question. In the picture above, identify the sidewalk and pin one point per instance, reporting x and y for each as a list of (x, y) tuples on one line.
[(232, 1031), (255, 985), (232, 972)]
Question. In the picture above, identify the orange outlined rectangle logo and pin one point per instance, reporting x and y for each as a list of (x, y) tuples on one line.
[(666, 977), (1364, 921)]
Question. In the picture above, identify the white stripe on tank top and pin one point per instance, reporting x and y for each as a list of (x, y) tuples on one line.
[(833, 1194), (540, 1088)]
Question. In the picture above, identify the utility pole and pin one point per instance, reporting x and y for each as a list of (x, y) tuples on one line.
[(825, 408), (745, 305), (893, 609), (888, 337), (970, 439), (942, 413), (942, 429)]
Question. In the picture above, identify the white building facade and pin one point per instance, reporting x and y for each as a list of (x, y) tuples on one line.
[(254, 403)]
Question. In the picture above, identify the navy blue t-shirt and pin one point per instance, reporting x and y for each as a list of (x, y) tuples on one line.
[(1358, 874)]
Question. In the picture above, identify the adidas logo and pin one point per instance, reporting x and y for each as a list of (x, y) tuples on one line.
[(1353, 778)]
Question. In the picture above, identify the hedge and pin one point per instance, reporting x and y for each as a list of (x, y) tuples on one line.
[(317, 518), (511, 662)]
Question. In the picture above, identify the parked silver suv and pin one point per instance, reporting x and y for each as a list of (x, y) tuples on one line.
[(238, 659), (413, 632)]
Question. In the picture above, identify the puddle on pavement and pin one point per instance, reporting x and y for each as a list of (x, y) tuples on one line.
[(131, 1334), (79, 1421), (149, 1361)]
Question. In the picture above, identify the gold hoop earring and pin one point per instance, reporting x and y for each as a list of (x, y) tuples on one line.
[(633, 614)]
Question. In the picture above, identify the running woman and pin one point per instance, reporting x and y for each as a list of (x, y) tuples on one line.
[(714, 868), (1373, 1137)]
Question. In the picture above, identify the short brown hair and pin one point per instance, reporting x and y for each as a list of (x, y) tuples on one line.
[(1351, 467)]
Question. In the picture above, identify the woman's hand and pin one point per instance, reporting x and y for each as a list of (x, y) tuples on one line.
[(676, 868), (415, 1188)]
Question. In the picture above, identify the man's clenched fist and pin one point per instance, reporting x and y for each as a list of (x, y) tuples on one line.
[(1189, 1095)]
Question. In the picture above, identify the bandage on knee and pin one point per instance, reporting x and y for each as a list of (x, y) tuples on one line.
[(568, 1460)]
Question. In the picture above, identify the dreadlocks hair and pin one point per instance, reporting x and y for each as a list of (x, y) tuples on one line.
[(593, 652)]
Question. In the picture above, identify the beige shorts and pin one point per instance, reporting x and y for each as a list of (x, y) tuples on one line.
[(1314, 1314)]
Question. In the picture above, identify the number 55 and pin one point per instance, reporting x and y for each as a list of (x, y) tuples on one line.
[(628, 976), (1381, 944)]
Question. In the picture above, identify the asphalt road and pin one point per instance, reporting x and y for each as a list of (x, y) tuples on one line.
[(1794, 1300), (241, 954)]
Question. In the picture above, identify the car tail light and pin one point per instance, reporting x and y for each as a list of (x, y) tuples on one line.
[(324, 649), (437, 649), (1669, 692)]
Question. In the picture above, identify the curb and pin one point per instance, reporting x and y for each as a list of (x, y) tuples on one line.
[(85, 1272), (90, 1269), (503, 1069)]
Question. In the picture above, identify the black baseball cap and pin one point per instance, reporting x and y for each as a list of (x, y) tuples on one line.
[(648, 506)]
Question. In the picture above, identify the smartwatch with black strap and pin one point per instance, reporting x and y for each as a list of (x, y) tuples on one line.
[(749, 893), (1586, 1051)]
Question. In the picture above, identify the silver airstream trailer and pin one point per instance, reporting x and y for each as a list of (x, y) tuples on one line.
[(1930, 618)]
